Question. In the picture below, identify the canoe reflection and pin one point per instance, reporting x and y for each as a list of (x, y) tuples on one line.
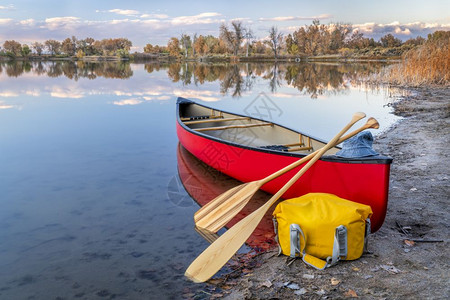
[(203, 183)]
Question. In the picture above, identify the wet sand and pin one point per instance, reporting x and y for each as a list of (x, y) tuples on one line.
[(409, 255)]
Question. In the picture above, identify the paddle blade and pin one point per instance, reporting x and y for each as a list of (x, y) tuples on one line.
[(214, 203), (218, 253), (372, 123), (230, 206)]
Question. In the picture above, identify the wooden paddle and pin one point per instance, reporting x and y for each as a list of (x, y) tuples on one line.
[(219, 252), (219, 211)]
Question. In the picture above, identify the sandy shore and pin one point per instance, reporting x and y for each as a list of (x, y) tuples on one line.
[(395, 268)]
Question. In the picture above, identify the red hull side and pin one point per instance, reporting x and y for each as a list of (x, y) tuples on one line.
[(359, 182)]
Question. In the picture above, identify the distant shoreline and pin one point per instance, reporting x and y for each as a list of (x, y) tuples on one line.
[(139, 57)]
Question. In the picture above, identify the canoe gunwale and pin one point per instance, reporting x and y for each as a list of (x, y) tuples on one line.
[(379, 159)]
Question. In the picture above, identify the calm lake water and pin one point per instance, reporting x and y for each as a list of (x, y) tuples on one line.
[(91, 203)]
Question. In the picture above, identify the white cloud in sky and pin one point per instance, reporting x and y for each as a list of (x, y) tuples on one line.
[(6, 21), (155, 16), (297, 18), (60, 23), (27, 22), (7, 7), (125, 12), (408, 30), (203, 18)]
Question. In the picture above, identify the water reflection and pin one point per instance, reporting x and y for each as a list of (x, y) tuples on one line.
[(70, 69), (234, 79)]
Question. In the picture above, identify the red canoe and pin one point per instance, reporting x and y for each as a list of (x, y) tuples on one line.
[(250, 149)]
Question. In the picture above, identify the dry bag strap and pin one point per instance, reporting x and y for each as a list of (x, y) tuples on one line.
[(339, 247), (366, 236), (275, 228)]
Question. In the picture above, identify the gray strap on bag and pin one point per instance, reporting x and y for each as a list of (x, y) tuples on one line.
[(339, 245), (366, 236)]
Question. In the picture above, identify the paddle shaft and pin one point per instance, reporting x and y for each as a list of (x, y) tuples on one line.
[(218, 253)]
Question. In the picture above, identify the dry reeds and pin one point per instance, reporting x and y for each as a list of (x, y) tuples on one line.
[(424, 65)]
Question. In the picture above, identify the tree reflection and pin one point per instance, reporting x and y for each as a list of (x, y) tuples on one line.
[(314, 79), (70, 69)]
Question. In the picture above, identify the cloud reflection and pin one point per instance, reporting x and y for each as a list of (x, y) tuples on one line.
[(132, 101)]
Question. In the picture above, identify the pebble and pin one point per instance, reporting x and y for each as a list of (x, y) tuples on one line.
[(308, 276), (293, 286), (320, 293), (267, 283), (300, 292)]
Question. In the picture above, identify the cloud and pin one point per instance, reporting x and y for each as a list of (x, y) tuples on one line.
[(8, 7), (61, 22), (125, 12), (403, 31), (7, 94), (155, 16), (27, 22), (298, 18), (203, 18), (6, 21)]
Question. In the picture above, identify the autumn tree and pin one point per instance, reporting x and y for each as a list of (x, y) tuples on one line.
[(275, 40), (357, 41), (13, 47), (390, 41), (415, 41), (232, 37), (339, 35), (258, 47), (200, 46), (25, 51), (68, 46), (87, 45), (38, 47), (173, 46), (53, 46), (148, 48)]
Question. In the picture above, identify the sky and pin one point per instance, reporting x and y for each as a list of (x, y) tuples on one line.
[(155, 22)]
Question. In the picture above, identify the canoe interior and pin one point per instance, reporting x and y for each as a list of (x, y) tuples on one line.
[(247, 131)]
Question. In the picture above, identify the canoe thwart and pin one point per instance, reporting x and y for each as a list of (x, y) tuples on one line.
[(286, 148), (232, 126), (216, 120), (300, 149), (200, 118)]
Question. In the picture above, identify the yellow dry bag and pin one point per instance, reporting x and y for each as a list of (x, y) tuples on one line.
[(322, 228)]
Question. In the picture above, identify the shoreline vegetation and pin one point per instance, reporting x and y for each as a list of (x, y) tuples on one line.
[(419, 60)]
